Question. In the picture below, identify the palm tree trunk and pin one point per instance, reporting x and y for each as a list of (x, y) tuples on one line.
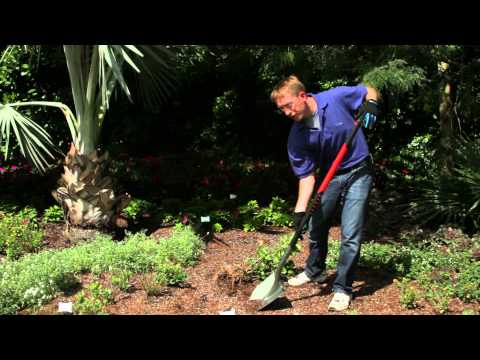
[(86, 192)]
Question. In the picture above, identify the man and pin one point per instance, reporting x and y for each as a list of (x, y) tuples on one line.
[(322, 123)]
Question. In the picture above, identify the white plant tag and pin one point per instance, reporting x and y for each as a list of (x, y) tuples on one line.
[(65, 307), (228, 312), (233, 196), (205, 219)]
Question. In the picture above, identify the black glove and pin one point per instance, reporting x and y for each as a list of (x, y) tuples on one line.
[(368, 112), (297, 219)]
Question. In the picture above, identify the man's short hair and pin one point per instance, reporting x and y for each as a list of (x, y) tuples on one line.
[(291, 83)]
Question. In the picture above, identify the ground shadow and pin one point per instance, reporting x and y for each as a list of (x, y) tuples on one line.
[(272, 231), (278, 304), (322, 292), (372, 281)]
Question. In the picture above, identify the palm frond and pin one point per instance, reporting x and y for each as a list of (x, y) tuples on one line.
[(157, 79), (32, 139), (77, 64), (453, 198)]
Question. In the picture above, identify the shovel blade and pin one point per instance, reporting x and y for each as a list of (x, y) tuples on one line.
[(267, 291)]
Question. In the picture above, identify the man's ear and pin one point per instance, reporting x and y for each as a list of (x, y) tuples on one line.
[(302, 95)]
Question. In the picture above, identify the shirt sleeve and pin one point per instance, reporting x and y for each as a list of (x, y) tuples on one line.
[(301, 160), (351, 96)]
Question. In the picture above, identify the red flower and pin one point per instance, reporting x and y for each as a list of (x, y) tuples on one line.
[(185, 219), (405, 171), (205, 181)]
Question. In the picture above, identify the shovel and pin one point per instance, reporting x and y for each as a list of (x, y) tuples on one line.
[(271, 288)]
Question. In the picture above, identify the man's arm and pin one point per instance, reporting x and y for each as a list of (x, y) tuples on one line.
[(305, 190)]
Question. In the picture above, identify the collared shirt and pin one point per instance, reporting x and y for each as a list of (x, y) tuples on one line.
[(314, 144)]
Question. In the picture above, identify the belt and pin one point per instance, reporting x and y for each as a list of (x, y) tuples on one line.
[(361, 164)]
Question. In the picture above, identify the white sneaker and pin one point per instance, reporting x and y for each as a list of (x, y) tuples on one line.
[(302, 279), (340, 302)]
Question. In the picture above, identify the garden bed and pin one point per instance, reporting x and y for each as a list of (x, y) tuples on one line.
[(204, 293)]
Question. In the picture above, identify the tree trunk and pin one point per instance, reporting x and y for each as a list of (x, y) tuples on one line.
[(86, 193), (446, 117)]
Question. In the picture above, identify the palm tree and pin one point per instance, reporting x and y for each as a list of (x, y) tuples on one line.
[(85, 190)]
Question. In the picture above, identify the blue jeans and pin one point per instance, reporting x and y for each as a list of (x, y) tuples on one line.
[(352, 190)]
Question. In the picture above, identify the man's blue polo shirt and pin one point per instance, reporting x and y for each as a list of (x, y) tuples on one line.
[(315, 145)]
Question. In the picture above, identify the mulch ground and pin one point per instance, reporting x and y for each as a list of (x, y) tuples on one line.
[(205, 292)]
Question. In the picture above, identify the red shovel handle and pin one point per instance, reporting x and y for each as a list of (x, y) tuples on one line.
[(336, 163), (338, 160)]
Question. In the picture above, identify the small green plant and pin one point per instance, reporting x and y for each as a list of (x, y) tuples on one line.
[(19, 235), (268, 257), (170, 274), (29, 213), (408, 294), (53, 214), (93, 300), (439, 301), (167, 218), (223, 218), (151, 285), (217, 228), (138, 207), (250, 216), (121, 279), (253, 217), (276, 213), (469, 312)]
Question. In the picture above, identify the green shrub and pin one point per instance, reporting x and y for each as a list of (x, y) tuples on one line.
[(35, 279), (276, 213), (467, 283), (53, 214), (386, 257), (267, 259), (438, 299), (442, 264), (19, 234), (93, 300), (250, 216), (253, 217), (223, 218), (138, 207), (28, 213), (121, 279), (170, 274), (408, 294)]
